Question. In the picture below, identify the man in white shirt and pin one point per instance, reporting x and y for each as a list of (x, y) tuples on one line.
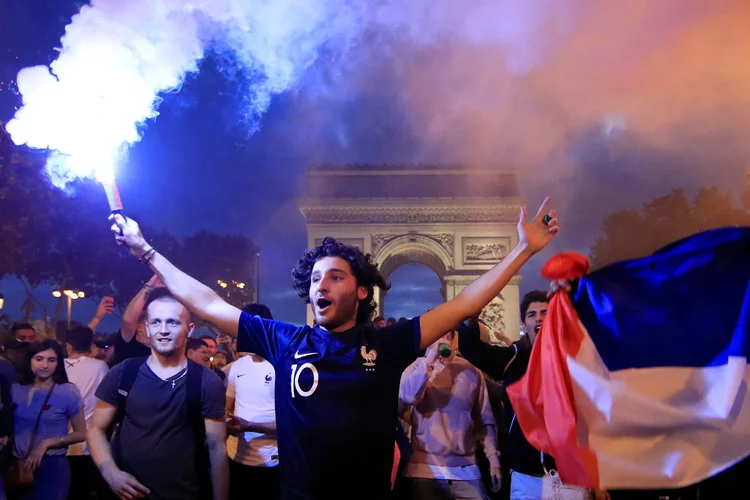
[(251, 446), (85, 372)]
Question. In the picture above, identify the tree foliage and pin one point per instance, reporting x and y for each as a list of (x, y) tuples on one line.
[(630, 234), (62, 239)]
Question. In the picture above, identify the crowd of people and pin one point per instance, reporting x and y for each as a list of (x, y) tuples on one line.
[(352, 407)]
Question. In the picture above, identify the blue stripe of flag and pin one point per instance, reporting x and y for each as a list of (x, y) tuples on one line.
[(688, 305)]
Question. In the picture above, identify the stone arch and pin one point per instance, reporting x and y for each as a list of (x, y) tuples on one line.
[(458, 221), (412, 249)]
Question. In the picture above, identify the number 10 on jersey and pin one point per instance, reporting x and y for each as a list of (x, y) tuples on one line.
[(295, 380)]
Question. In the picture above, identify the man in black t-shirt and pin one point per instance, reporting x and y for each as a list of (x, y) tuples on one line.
[(337, 382), (157, 451), (508, 364)]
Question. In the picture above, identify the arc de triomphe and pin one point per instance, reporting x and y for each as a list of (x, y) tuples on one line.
[(458, 221)]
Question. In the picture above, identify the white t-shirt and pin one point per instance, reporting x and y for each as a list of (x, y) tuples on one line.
[(251, 383), (85, 373)]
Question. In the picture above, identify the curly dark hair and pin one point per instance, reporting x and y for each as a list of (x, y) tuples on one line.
[(364, 270)]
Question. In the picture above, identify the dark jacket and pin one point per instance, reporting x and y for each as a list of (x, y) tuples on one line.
[(507, 364)]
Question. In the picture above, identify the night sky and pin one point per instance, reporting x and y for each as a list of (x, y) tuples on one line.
[(602, 107)]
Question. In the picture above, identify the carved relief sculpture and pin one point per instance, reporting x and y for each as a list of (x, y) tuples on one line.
[(493, 315), (485, 250), (445, 240)]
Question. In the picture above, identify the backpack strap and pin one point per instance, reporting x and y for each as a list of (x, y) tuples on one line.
[(130, 370), (194, 398), (194, 403)]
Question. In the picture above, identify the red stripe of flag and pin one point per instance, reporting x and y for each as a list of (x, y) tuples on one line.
[(543, 398)]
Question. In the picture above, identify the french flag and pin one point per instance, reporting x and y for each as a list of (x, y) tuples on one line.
[(640, 381)]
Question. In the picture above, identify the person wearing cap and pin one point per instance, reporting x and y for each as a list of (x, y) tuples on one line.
[(103, 348)]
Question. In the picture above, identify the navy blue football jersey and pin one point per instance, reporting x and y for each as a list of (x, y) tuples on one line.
[(336, 403)]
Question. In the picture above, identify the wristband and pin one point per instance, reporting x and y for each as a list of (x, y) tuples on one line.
[(147, 255), (148, 259)]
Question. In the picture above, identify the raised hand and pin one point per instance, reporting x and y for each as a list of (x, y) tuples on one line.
[(536, 234), (106, 306), (557, 285), (127, 232)]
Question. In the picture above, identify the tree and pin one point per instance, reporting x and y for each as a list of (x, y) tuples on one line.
[(62, 239), (630, 234), (223, 262)]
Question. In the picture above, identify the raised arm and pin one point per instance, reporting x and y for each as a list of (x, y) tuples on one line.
[(105, 307), (196, 296), (134, 310), (414, 381), (490, 359), (532, 237)]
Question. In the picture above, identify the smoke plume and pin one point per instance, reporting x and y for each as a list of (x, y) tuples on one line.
[(118, 57), (538, 84)]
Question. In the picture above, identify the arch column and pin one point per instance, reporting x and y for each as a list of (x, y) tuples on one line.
[(502, 314), (380, 296)]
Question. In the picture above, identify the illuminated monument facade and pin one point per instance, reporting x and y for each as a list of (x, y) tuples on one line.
[(457, 221)]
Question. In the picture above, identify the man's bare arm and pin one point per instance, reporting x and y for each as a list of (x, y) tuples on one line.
[(472, 299), (268, 428), (96, 436), (122, 483), (105, 307), (134, 311), (193, 294), (237, 425), (533, 236), (216, 437)]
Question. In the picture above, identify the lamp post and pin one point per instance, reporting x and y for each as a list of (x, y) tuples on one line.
[(257, 277), (72, 295), (228, 286)]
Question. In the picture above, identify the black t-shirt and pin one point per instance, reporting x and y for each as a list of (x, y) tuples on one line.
[(157, 441), (126, 350), (336, 401), (508, 364)]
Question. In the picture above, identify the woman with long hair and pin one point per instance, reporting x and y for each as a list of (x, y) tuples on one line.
[(45, 405)]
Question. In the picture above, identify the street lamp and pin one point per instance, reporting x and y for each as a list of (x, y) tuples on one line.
[(72, 295), (229, 285)]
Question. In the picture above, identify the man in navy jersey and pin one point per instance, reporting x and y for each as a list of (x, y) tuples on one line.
[(337, 382)]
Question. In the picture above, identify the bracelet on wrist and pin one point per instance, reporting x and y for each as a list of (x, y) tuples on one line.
[(145, 252), (147, 255)]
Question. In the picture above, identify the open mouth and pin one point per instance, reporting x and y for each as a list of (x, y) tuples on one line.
[(537, 328), (164, 341), (323, 304)]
